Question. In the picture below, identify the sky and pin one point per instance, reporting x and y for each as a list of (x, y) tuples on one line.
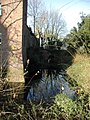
[(70, 10)]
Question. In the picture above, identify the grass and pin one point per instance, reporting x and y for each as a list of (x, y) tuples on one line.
[(63, 108), (79, 71)]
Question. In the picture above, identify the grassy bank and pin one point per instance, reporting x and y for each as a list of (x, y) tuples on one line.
[(62, 108), (79, 70)]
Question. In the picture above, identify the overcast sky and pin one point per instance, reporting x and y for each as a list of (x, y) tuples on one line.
[(70, 9)]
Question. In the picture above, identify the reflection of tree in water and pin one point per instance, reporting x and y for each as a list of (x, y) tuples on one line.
[(48, 86)]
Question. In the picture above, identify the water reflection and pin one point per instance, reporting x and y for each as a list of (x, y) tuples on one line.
[(45, 88)]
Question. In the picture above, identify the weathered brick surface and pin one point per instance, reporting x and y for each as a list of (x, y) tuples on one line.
[(11, 29)]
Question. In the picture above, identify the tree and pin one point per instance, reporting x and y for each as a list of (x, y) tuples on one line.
[(80, 38), (55, 26), (35, 11)]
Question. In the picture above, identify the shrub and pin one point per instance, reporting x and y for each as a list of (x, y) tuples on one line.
[(66, 108)]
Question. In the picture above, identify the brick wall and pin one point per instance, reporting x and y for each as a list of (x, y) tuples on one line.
[(11, 29)]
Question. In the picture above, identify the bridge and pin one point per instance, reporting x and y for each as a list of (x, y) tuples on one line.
[(41, 53), (39, 57)]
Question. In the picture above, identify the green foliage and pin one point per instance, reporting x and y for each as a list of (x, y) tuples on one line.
[(66, 107), (80, 38), (63, 108)]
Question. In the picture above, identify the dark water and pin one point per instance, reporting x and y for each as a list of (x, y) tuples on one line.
[(50, 84)]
